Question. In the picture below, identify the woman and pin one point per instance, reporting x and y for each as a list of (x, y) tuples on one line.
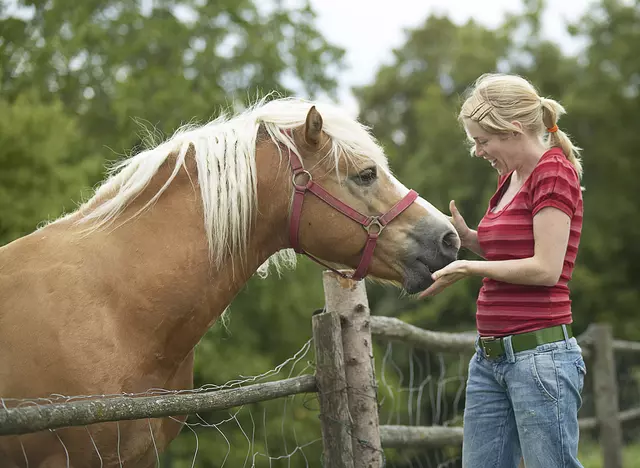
[(526, 377)]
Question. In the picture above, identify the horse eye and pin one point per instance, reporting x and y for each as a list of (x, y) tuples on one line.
[(366, 177)]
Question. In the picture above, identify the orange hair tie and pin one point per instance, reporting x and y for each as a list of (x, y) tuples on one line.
[(553, 129)]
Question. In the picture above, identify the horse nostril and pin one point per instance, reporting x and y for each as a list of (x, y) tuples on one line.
[(450, 240)]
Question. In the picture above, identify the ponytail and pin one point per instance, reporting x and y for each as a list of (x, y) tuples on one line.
[(551, 112)]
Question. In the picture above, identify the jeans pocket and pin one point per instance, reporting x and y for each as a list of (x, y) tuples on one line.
[(544, 372), (582, 372)]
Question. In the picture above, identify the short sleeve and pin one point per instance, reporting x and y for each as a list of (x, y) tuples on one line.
[(555, 183)]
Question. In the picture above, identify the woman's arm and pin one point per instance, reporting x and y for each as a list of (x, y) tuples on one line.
[(551, 228)]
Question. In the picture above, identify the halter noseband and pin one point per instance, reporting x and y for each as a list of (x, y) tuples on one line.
[(373, 225)]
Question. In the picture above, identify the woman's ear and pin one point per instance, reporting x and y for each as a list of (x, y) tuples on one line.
[(518, 125)]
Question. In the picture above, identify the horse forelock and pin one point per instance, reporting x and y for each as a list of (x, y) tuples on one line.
[(224, 151)]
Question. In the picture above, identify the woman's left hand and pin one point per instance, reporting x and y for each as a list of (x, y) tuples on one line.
[(446, 276)]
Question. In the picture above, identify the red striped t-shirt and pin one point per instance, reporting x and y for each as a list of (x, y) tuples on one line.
[(504, 308)]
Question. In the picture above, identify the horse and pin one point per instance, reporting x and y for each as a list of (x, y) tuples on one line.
[(113, 297)]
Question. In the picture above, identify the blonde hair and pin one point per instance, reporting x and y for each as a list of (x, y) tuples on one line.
[(497, 99)]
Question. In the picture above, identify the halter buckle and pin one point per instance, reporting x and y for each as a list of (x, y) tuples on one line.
[(307, 184), (375, 221)]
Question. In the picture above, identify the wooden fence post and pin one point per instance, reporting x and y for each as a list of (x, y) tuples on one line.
[(606, 394), (332, 391), (349, 300)]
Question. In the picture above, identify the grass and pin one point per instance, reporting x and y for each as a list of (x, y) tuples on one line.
[(590, 454)]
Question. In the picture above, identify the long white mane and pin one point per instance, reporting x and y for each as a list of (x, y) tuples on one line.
[(225, 157)]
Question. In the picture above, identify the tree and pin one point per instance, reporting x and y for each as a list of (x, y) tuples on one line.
[(604, 100), (41, 173)]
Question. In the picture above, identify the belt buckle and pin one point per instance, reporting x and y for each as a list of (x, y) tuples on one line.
[(484, 340), (489, 351)]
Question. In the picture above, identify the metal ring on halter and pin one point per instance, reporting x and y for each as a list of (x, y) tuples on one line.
[(307, 184), (374, 222)]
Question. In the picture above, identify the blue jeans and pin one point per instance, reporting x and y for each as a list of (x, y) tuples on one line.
[(524, 404)]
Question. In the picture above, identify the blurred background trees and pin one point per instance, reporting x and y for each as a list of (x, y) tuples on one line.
[(78, 78)]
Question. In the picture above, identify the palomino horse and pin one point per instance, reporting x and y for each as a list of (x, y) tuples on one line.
[(114, 297)]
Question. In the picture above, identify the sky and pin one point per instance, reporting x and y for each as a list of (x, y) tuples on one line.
[(370, 29)]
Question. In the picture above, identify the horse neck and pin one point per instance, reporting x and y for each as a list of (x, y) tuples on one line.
[(161, 263)]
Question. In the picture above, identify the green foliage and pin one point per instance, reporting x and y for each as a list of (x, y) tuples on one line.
[(43, 168), (605, 102)]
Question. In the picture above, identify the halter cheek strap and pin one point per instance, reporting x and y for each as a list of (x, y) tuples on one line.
[(374, 225)]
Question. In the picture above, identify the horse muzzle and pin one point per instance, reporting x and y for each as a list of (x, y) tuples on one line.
[(429, 249)]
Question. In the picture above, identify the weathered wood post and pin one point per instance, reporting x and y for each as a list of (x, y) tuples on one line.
[(349, 300), (606, 394), (332, 391)]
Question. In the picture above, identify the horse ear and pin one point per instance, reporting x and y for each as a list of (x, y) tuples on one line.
[(313, 127)]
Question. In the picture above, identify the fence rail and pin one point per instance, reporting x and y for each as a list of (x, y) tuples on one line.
[(28, 419), (390, 328), (420, 436)]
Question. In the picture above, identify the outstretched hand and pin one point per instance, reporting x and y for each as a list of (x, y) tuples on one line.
[(447, 276)]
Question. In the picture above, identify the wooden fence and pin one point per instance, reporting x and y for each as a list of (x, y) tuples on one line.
[(346, 386)]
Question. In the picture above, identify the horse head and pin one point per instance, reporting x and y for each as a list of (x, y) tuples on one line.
[(345, 207)]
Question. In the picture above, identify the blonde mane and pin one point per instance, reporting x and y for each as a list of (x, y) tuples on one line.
[(225, 158)]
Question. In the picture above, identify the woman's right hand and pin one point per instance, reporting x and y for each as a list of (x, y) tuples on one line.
[(459, 223)]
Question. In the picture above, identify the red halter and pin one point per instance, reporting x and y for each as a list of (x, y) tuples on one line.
[(374, 225)]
